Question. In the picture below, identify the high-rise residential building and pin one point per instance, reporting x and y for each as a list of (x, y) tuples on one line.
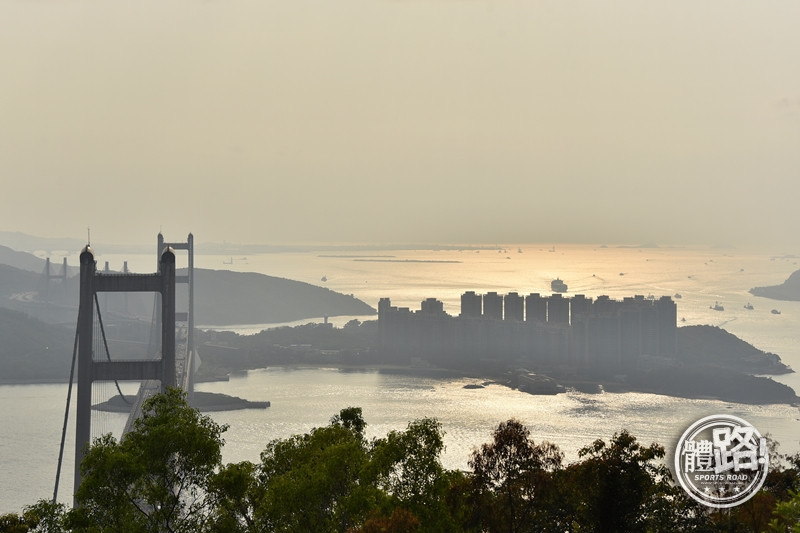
[(432, 306), (514, 307), (493, 306), (535, 308), (471, 304), (557, 310)]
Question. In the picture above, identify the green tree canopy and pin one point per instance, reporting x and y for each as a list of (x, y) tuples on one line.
[(155, 479), (513, 476), (166, 476)]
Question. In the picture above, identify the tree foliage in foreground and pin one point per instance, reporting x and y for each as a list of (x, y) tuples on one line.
[(156, 478), (167, 476)]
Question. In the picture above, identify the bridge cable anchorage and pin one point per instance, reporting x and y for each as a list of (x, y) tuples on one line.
[(105, 342), (66, 416)]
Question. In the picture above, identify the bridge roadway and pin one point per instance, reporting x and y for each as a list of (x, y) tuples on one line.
[(186, 359), (183, 375)]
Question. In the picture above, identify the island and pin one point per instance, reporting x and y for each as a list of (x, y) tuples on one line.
[(788, 290), (202, 401), (711, 363)]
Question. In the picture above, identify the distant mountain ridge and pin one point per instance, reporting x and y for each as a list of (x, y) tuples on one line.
[(22, 241), (22, 260), (222, 297)]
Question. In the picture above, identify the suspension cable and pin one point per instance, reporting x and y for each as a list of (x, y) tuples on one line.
[(66, 416), (105, 343)]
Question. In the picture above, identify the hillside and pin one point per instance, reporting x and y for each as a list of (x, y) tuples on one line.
[(711, 346), (713, 382), (23, 260), (15, 281), (714, 363), (223, 298), (788, 290), (32, 350)]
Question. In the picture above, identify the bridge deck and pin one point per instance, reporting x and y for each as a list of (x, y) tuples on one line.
[(183, 370)]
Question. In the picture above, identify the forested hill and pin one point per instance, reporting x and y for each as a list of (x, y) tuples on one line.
[(788, 290)]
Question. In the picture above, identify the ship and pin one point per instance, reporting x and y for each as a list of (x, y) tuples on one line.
[(558, 286)]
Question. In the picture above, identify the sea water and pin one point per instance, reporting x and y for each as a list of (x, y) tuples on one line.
[(32, 415)]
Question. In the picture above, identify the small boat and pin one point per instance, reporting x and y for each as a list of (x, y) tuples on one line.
[(716, 307), (775, 312), (558, 285), (749, 306)]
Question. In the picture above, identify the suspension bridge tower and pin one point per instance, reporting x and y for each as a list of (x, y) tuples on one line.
[(90, 369)]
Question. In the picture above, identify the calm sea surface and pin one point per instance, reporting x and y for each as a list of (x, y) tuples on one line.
[(32, 416)]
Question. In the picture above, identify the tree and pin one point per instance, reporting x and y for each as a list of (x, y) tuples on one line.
[(14, 523), (45, 516), (333, 479), (401, 521), (787, 515), (313, 482), (406, 466), (236, 493), (624, 487), (513, 478), (157, 477)]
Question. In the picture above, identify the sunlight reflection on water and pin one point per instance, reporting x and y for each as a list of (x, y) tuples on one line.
[(468, 416)]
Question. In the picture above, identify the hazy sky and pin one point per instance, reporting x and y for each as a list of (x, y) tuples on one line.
[(402, 120)]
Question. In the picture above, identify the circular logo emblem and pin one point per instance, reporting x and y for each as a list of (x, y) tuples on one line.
[(721, 461)]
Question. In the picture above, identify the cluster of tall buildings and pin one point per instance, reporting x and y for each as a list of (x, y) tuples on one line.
[(567, 333)]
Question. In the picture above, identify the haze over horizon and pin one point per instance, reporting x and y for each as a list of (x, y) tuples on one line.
[(402, 121)]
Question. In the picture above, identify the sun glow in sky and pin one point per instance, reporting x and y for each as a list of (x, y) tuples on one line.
[(262, 121)]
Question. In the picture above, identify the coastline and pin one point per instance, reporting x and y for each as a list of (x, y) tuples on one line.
[(770, 392), (709, 383)]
